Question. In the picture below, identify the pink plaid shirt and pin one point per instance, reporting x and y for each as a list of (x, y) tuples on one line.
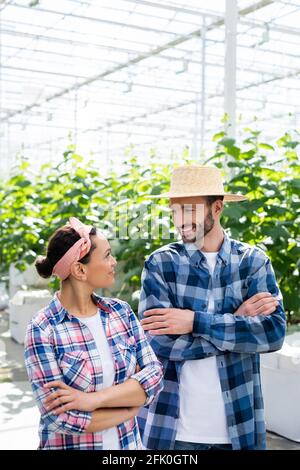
[(59, 347)]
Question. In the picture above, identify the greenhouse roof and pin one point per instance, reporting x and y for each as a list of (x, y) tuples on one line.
[(105, 74)]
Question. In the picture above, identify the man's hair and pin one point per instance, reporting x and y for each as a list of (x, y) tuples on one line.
[(211, 199)]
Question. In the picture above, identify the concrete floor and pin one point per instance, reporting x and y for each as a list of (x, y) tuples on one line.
[(19, 415)]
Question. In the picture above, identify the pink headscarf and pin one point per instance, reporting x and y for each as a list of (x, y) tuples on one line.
[(62, 268)]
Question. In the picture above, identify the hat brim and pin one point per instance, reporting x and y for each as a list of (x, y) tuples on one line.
[(227, 197)]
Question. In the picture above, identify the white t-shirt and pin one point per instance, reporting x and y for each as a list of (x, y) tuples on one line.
[(94, 323), (202, 415)]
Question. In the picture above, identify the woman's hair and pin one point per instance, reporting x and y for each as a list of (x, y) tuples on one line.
[(59, 243)]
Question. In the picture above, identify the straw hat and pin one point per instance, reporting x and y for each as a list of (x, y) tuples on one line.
[(196, 180)]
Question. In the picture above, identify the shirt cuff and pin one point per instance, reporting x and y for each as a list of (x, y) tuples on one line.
[(75, 422), (202, 323), (150, 378)]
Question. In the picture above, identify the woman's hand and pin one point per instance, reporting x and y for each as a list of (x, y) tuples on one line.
[(134, 411), (68, 398)]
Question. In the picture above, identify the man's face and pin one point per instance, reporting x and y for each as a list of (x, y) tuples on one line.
[(192, 217)]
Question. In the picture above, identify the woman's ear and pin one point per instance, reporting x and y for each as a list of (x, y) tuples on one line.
[(79, 271)]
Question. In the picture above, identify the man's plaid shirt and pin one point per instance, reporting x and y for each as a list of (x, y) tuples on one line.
[(59, 346), (177, 276)]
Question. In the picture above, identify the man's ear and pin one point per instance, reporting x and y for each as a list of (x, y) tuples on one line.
[(219, 206), (78, 270)]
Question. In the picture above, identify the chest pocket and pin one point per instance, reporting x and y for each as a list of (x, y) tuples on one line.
[(76, 371), (126, 355)]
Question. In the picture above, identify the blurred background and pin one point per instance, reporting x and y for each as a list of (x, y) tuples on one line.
[(99, 100)]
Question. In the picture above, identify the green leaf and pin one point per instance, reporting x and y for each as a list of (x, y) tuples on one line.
[(295, 183), (23, 183), (227, 142), (29, 257), (156, 190), (77, 158), (266, 146), (233, 151), (218, 136), (235, 164)]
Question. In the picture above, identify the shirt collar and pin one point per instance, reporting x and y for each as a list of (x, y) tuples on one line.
[(61, 313), (225, 250), (197, 256)]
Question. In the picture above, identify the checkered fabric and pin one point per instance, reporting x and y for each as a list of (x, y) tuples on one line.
[(177, 276)]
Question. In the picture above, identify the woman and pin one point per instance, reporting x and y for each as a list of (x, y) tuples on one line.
[(87, 358)]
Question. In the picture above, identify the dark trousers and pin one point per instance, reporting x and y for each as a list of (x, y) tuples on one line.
[(180, 445)]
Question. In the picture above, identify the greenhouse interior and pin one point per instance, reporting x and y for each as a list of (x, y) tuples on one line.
[(162, 139)]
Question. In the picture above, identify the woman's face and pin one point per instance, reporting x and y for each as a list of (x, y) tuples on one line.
[(100, 269)]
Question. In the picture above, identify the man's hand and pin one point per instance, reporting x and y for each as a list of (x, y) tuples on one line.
[(168, 321), (262, 303), (176, 321)]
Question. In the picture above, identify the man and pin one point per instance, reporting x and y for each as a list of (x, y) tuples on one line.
[(210, 305)]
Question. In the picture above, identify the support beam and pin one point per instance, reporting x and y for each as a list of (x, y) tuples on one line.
[(231, 18), (203, 83), (200, 99)]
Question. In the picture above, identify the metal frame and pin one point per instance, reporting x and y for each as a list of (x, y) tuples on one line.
[(145, 72)]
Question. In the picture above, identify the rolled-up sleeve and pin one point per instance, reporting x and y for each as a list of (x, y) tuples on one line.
[(42, 367), (150, 377)]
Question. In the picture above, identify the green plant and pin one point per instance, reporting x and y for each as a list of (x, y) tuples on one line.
[(33, 205)]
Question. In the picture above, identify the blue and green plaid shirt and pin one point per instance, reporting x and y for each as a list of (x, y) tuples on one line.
[(177, 276)]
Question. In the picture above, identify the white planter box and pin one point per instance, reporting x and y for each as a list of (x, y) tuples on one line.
[(22, 307), (29, 278), (280, 373)]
